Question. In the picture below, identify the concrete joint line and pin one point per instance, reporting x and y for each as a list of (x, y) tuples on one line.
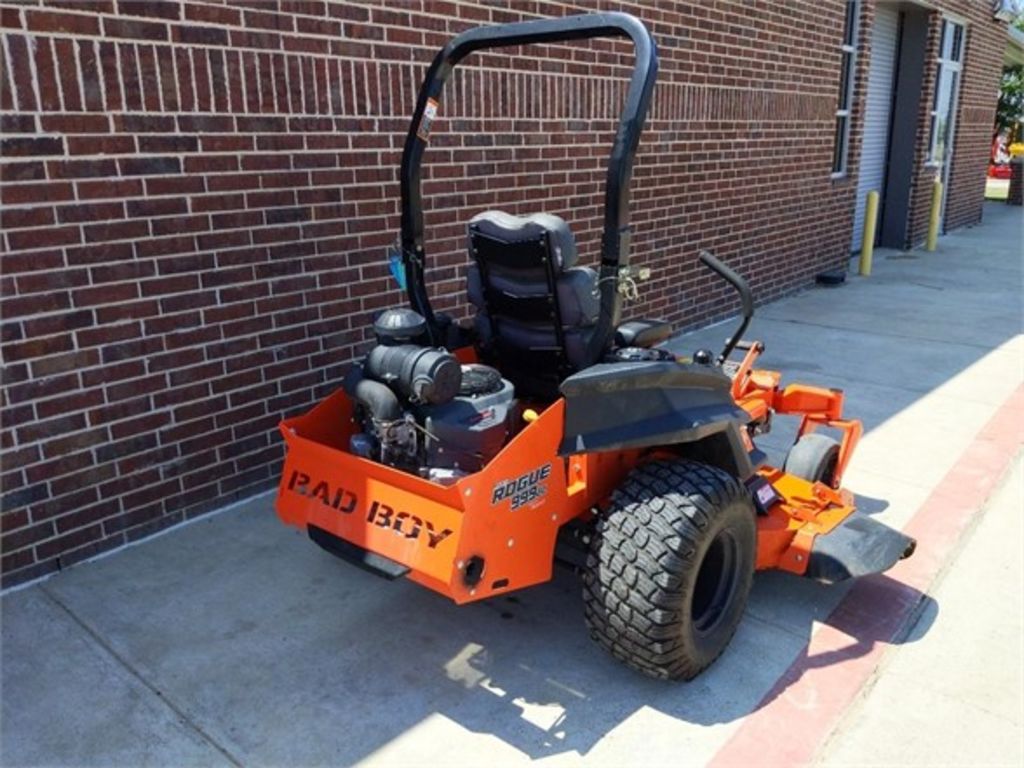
[(180, 712)]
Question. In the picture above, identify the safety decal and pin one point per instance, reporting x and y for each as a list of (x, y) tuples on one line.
[(427, 121)]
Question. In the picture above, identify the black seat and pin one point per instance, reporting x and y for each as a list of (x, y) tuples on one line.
[(536, 310)]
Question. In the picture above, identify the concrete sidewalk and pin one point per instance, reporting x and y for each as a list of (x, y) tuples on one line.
[(236, 641), (952, 694)]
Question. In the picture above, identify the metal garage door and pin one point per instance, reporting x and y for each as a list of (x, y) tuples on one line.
[(877, 111)]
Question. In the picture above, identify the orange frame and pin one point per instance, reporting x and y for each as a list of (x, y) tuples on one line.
[(508, 514)]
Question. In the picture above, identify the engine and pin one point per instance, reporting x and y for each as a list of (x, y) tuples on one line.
[(419, 410)]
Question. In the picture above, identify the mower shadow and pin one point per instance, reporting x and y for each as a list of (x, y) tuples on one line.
[(239, 620), (532, 678), (870, 505)]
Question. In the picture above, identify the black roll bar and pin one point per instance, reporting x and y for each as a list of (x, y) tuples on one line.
[(615, 239)]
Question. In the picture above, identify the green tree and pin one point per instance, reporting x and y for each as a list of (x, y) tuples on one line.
[(1010, 108)]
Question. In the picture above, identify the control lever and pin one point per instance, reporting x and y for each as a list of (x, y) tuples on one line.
[(746, 297)]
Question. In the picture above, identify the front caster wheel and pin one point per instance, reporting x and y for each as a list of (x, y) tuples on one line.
[(814, 458)]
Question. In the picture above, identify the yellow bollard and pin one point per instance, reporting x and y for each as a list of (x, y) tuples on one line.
[(867, 247), (933, 219)]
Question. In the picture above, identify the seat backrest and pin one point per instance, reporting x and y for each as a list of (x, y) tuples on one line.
[(536, 309)]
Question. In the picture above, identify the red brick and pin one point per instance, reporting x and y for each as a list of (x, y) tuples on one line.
[(144, 123), (89, 514), (145, 424), (159, 9), (116, 313), (72, 361), (14, 459), (22, 147), (127, 350), (119, 410), (161, 206), (115, 293), (14, 194), (20, 218), (79, 169), (24, 537), (134, 30), (100, 252), (149, 78), (39, 347), (48, 281), (213, 14), (46, 75), (10, 18), (52, 21), (68, 403), (67, 70), (115, 230), (79, 123), (91, 212), (21, 72), (133, 518), (44, 238), (68, 541), (93, 190), (201, 83), (108, 72), (175, 185), (45, 429), (32, 170), (68, 321), (42, 387), (88, 62)]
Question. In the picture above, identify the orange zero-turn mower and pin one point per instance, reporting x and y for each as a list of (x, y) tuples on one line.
[(470, 459)]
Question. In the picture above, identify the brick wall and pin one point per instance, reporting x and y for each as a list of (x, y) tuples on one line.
[(197, 198)]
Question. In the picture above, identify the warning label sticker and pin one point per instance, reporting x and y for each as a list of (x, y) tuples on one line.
[(427, 121)]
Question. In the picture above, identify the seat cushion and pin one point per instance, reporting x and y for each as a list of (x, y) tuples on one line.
[(522, 269), (578, 297), (509, 228), (531, 337)]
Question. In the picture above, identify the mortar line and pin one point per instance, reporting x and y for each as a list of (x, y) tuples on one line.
[(177, 710)]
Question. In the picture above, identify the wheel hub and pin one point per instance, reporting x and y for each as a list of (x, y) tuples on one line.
[(716, 582)]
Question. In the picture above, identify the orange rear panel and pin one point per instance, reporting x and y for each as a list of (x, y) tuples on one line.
[(508, 514)]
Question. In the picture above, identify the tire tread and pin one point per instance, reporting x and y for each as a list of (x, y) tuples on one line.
[(633, 588)]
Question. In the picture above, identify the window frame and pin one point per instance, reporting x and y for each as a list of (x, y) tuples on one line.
[(847, 48), (954, 67)]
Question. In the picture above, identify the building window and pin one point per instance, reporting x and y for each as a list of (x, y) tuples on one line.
[(947, 83), (841, 140)]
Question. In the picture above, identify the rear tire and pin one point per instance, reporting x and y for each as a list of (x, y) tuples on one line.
[(814, 458), (670, 567)]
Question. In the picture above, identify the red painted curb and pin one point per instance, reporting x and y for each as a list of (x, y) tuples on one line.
[(807, 702)]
